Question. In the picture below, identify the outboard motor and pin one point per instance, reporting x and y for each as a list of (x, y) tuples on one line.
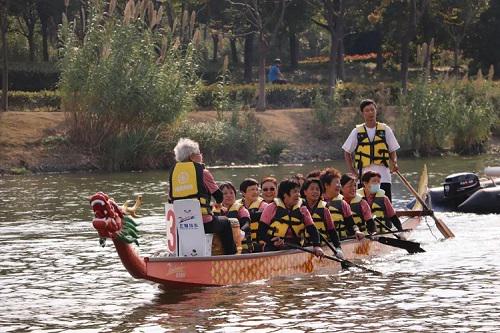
[(459, 186)]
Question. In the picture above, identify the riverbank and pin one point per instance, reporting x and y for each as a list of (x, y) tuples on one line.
[(35, 141)]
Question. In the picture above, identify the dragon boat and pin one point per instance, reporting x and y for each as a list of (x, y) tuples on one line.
[(112, 221)]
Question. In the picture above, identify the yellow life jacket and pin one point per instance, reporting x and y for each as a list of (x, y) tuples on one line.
[(335, 208), (186, 181), (232, 212), (254, 222), (377, 207), (285, 218), (371, 152), (318, 216), (357, 214)]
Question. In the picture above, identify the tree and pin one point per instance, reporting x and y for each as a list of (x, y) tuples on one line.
[(26, 15), (4, 25), (297, 18), (482, 42), (265, 17), (457, 17)]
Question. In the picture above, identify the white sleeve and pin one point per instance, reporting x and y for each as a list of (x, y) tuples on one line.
[(392, 143), (352, 141)]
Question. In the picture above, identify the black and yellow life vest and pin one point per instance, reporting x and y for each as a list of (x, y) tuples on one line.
[(254, 222), (318, 216), (335, 208), (371, 152), (285, 218), (186, 181), (232, 212), (377, 207), (357, 214)]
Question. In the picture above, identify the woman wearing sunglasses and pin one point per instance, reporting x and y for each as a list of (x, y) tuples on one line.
[(269, 187)]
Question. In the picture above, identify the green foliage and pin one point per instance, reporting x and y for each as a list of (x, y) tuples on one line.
[(19, 171), (135, 149), (54, 140), (229, 140), (39, 101), (273, 148), (32, 77), (448, 115), (124, 78)]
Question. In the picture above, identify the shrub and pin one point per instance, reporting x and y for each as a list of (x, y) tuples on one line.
[(32, 76), (44, 100), (236, 139), (126, 76), (273, 148)]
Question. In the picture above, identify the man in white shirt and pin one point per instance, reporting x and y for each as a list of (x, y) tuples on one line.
[(372, 146)]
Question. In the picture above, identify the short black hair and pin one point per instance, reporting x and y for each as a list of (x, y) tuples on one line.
[(229, 185), (346, 178), (308, 183), (286, 186), (365, 103), (247, 182)]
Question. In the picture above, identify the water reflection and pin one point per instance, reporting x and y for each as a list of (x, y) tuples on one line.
[(55, 277)]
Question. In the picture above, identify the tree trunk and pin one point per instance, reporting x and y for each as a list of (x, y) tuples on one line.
[(261, 102), (234, 51), (5, 67), (340, 64), (456, 51), (380, 56), (294, 50), (405, 58), (332, 67), (248, 58), (215, 39), (31, 46), (45, 32)]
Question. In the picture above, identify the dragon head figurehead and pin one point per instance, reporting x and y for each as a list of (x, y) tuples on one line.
[(111, 221)]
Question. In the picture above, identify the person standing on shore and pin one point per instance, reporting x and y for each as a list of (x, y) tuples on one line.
[(372, 146)]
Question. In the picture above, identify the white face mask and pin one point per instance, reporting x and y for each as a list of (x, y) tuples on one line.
[(374, 188)]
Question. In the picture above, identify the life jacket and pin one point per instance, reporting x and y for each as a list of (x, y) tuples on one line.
[(357, 214), (186, 181), (285, 218), (254, 223), (335, 208), (371, 152), (318, 216), (377, 207), (232, 212)]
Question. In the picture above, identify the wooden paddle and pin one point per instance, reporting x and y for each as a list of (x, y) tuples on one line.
[(293, 246), (442, 227)]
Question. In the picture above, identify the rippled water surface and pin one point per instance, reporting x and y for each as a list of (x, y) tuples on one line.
[(55, 277)]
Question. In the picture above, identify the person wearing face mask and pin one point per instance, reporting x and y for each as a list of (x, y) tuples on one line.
[(338, 207), (361, 211), (269, 186), (312, 191), (249, 190), (286, 221), (380, 204)]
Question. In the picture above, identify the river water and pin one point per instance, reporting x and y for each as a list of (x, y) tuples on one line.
[(55, 277)]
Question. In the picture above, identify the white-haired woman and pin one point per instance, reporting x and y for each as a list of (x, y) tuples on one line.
[(190, 179)]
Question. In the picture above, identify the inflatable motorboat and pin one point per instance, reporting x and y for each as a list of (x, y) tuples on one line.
[(465, 192)]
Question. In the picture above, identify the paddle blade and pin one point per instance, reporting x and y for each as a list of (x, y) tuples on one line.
[(443, 228), (411, 247)]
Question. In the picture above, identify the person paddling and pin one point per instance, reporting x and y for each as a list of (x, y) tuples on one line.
[(249, 189), (380, 205), (312, 192), (338, 207), (361, 211), (286, 221)]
